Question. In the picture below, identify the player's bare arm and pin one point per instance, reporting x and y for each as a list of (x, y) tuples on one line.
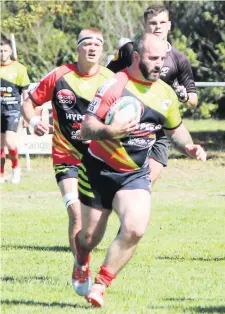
[(27, 109), (181, 139), (30, 116), (25, 94), (192, 100), (93, 129)]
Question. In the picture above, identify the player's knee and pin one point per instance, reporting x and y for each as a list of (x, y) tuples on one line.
[(71, 200), (89, 239), (10, 144), (133, 232), (10, 140)]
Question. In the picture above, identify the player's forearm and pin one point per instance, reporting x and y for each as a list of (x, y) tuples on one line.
[(92, 129), (27, 109), (25, 94), (192, 100), (179, 138)]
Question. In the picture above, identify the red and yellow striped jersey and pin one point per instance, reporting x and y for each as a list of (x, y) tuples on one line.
[(160, 109), (70, 93)]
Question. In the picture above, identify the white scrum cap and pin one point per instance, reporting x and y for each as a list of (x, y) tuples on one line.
[(123, 41)]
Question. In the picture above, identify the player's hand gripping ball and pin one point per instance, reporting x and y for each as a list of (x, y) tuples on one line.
[(127, 108)]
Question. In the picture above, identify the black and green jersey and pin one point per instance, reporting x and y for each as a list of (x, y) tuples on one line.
[(14, 80)]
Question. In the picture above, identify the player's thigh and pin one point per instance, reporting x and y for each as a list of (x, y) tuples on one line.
[(2, 140), (68, 185), (155, 169), (66, 176), (67, 179), (12, 120), (3, 123), (11, 139), (133, 208)]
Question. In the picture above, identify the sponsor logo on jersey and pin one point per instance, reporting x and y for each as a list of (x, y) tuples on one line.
[(93, 106), (164, 71), (12, 76), (66, 99), (7, 95), (101, 91), (9, 89), (76, 135), (165, 104), (141, 142), (151, 127), (76, 125), (74, 116)]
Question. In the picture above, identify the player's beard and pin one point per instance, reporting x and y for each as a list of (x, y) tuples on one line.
[(148, 75)]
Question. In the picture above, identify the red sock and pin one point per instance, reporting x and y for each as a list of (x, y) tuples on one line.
[(14, 157), (82, 254), (104, 276), (2, 156)]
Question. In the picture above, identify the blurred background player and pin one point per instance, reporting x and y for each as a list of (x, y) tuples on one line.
[(14, 83), (176, 72), (123, 55), (70, 87)]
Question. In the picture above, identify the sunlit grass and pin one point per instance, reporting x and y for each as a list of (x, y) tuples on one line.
[(178, 267)]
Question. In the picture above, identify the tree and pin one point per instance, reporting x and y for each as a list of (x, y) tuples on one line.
[(200, 26), (46, 33)]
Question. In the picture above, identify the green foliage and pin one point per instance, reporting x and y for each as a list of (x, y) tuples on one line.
[(46, 33), (205, 111), (41, 45), (199, 25), (180, 41), (208, 104)]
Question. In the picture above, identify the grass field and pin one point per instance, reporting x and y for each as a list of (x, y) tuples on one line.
[(179, 266)]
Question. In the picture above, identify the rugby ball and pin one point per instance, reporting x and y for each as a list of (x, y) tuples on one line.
[(128, 108)]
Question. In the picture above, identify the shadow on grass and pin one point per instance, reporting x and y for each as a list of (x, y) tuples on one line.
[(34, 279), (208, 309), (201, 259), (180, 299), (196, 309), (200, 309), (37, 248), (212, 140), (209, 157), (44, 248), (21, 280), (47, 304)]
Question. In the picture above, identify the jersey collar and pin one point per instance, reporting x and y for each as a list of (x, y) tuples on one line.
[(135, 80), (6, 65)]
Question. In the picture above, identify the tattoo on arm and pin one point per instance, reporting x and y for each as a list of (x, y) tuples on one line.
[(179, 138), (91, 132)]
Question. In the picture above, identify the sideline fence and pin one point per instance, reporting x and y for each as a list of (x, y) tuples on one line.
[(32, 144)]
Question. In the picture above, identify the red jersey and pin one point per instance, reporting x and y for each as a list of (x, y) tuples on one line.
[(70, 93)]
